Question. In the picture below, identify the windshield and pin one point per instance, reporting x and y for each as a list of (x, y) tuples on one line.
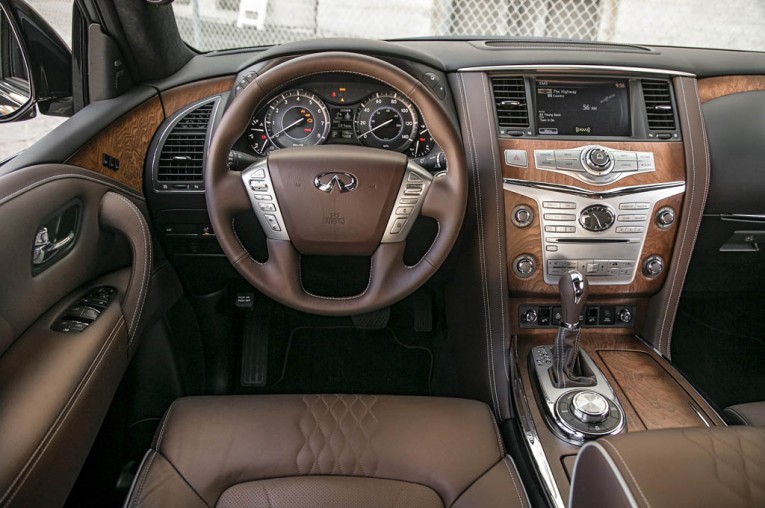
[(221, 24)]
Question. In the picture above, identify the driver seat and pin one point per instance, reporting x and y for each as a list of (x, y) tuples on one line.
[(283, 451)]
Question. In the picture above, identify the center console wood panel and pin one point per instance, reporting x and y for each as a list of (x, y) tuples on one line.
[(657, 398)]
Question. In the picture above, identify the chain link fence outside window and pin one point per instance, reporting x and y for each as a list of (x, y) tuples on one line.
[(218, 24)]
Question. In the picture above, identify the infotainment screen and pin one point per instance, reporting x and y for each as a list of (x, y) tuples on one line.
[(577, 107)]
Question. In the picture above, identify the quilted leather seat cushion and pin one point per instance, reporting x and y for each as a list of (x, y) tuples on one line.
[(327, 450)]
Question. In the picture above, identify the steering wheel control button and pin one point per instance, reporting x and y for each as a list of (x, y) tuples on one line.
[(517, 158), (264, 203), (398, 225), (414, 187), (273, 222)]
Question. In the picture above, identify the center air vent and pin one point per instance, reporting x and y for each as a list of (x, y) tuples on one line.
[(658, 105), (181, 155), (511, 103)]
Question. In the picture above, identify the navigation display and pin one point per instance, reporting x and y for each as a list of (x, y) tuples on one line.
[(593, 107)]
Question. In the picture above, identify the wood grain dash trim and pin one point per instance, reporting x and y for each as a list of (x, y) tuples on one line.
[(127, 140), (720, 86), (179, 97)]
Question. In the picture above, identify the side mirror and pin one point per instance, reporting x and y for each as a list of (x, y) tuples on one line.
[(15, 86), (35, 65)]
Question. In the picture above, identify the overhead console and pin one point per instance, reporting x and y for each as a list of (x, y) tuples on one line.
[(594, 170)]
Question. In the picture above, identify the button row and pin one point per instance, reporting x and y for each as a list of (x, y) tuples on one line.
[(634, 206), (259, 186), (560, 229), (630, 229), (631, 218), (570, 160), (414, 188), (596, 267), (560, 216)]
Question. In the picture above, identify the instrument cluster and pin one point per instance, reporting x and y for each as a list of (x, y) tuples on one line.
[(348, 112)]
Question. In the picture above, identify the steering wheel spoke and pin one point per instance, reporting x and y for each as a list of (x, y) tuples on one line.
[(409, 200), (260, 189)]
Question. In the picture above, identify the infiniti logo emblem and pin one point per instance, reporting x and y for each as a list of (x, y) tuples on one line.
[(345, 182)]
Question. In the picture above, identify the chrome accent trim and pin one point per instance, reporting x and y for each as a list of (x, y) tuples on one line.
[(531, 437), (551, 394), (414, 176), (697, 410), (574, 67), (742, 217), (250, 175), (171, 123), (578, 191), (337, 179)]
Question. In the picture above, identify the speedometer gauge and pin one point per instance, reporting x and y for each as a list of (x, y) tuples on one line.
[(297, 118), (386, 120)]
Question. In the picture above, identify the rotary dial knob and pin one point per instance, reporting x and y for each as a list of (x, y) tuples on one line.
[(598, 161), (589, 407)]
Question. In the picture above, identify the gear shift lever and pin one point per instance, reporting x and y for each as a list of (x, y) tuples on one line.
[(567, 368)]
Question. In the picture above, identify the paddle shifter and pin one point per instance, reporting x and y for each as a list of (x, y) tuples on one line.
[(568, 369), (578, 402)]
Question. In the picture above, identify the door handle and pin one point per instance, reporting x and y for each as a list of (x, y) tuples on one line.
[(44, 249)]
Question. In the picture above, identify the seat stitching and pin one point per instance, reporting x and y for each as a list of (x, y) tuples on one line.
[(164, 423), (42, 182), (182, 477), (147, 254), (479, 214), (27, 469), (496, 431), (624, 462), (145, 474), (512, 477)]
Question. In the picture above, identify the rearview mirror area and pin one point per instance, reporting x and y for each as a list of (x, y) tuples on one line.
[(16, 91)]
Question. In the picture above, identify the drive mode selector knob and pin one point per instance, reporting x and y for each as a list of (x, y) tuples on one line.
[(598, 161), (589, 407)]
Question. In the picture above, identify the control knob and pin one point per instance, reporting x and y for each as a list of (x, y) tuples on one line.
[(530, 316), (653, 266), (589, 407), (598, 161), (522, 216), (524, 266), (625, 316), (665, 217)]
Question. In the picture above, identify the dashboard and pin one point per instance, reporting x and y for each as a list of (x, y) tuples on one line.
[(339, 109)]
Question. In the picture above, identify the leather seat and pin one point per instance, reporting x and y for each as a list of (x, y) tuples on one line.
[(751, 413), (327, 450)]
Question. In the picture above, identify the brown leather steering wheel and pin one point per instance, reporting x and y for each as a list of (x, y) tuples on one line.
[(333, 199)]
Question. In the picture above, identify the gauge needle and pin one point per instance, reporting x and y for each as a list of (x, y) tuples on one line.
[(301, 119), (375, 128), (594, 216), (417, 146)]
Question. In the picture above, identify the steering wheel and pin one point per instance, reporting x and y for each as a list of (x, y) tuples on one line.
[(335, 199)]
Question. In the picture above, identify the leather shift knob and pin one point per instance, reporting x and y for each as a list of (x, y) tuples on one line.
[(574, 290)]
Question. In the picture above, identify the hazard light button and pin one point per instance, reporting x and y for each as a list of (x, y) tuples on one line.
[(517, 158)]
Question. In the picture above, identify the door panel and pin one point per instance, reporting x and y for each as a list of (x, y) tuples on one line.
[(56, 386)]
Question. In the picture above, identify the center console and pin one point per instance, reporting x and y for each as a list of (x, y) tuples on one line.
[(596, 181)]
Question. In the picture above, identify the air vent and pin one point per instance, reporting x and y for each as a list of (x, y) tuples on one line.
[(658, 105), (511, 103), (182, 155)]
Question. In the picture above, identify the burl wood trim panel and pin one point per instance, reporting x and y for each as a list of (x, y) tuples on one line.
[(720, 86), (658, 400), (127, 139), (669, 159), (179, 97), (593, 342), (528, 240)]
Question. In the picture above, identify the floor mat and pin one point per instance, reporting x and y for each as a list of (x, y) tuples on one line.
[(719, 343), (348, 360)]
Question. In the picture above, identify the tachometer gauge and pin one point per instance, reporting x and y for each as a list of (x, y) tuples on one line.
[(386, 120), (256, 135), (422, 144), (297, 118)]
